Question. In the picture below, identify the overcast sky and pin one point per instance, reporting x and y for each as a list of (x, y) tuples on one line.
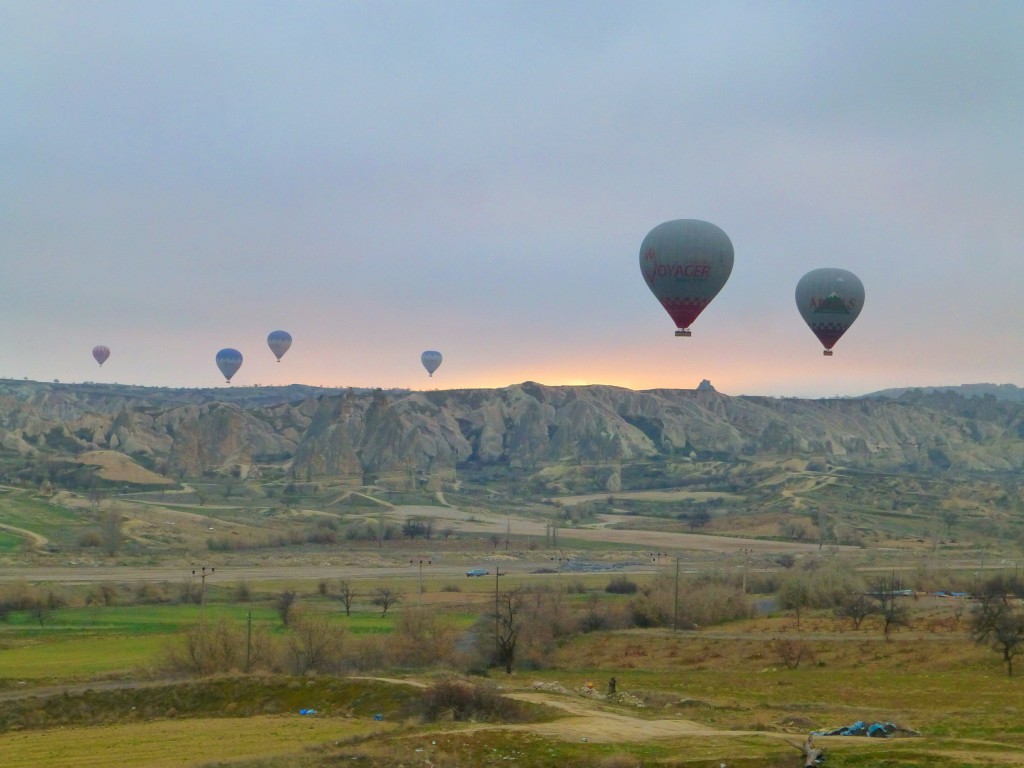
[(381, 178)]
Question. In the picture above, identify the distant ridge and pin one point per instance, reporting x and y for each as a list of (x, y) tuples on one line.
[(1010, 393), (423, 438)]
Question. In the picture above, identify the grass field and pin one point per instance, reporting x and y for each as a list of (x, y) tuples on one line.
[(174, 743), (82, 683), (712, 696), (99, 641)]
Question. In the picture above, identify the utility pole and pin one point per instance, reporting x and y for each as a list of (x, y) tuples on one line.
[(419, 596), (675, 601), (203, 573), (559, 560), (497, 617), (746, 555), (248, 641)]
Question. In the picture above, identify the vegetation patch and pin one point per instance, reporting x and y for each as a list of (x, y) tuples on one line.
[(233, 697), (463, 701)]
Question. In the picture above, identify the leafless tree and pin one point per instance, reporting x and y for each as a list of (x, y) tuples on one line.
[(791, 651), (998, 623), (347, 596), (509, 609), (314, 644), (856, 608), (950, 518), (285, 604), (887, 590), (794, 593), (111, 532), (384, 598)]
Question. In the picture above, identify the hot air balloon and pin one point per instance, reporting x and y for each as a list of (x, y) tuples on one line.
[(829, 301), (431, 361), (101, 354), (279, 342), (685, 263), (229, 361)]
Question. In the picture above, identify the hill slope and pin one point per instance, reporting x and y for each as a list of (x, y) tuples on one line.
[(430, 436)]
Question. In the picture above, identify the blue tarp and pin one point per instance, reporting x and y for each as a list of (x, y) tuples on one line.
[(860, 728)]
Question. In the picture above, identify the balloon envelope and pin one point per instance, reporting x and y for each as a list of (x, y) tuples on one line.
[(829, 300), (229, 361), (431, 361), (685, 263), (100, 353), (279, 342)]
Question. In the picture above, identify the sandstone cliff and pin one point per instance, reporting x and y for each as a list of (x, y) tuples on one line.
[(355, 434)]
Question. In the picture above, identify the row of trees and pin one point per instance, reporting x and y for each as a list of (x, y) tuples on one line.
[(527, 623)]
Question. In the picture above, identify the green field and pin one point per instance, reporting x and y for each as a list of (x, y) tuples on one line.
[(145, 669)]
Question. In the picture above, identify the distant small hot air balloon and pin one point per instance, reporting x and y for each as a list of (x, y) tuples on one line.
[(279, 342), (431, 361), (685, 263), (829, 301), (101, 354), (229, 361)]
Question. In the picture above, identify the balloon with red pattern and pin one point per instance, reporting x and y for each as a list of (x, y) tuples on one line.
[(686, 262), (829, 300)]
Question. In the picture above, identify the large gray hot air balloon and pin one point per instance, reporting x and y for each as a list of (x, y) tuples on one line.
[(100, 354), (431, 361), (279, 342), (685, 263), (829, 300), (229, 361)]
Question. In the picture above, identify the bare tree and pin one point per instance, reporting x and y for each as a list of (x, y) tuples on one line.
[(223, 647), (111, 533), (384, 598), (856, 608), (507, 620), (347, 596), (422, 637), (994, 621), (950, 518), (285, 604), (791, 651), (314, 644), (888, 590), (794, 593)]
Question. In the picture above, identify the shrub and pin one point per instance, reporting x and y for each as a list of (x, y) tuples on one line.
[(461, 701), (791, 652), (90, 540), (221, 648), (577, 588), (619, 760), (313, 644), (620, 585), (421, 638), (151, 594)]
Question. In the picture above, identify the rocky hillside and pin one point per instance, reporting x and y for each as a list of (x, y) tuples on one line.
[(361, 435)]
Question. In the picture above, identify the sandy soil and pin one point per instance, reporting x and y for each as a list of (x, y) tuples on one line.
[(118, 468)]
